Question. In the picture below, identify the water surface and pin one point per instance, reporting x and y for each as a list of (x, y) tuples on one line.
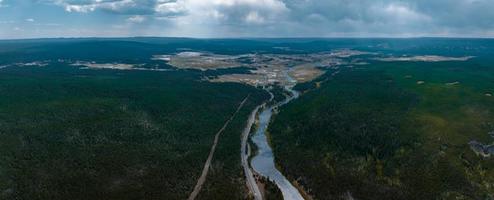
[(263, 162)]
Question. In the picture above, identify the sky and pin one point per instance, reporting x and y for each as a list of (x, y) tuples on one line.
[(246, 18)]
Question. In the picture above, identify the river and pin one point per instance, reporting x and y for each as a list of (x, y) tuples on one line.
[(263, 162)]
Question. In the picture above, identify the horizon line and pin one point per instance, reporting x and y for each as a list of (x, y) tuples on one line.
[(250, 38)]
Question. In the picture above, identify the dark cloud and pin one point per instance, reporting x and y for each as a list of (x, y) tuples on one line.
[(459, 13), (396, 17)]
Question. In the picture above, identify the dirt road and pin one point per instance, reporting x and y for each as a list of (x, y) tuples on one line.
[(205, 170), (245, 153)]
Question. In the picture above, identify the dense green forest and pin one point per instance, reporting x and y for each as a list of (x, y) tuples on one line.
[(67, 133), (396, 130)]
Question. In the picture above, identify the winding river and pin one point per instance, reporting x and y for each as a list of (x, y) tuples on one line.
[(263, 162)]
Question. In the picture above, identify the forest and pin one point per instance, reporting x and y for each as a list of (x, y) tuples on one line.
[(391, 131), (69, 133)]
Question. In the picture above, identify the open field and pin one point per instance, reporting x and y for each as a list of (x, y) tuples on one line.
[(197, 60), (305, 73)]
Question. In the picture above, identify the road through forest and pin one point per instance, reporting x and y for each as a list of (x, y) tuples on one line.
[(207, 165)]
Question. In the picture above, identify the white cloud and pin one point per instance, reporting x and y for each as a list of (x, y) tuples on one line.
[(254, 17), (170, 8), (250, 11), (136, 19), (404, 14), (234, 11), (85, 6), (30, 20)]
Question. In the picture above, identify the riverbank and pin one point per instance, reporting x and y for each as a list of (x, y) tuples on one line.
[(263, 162), (245, 154)]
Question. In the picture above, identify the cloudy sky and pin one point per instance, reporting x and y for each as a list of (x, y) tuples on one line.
[(246, 18)]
